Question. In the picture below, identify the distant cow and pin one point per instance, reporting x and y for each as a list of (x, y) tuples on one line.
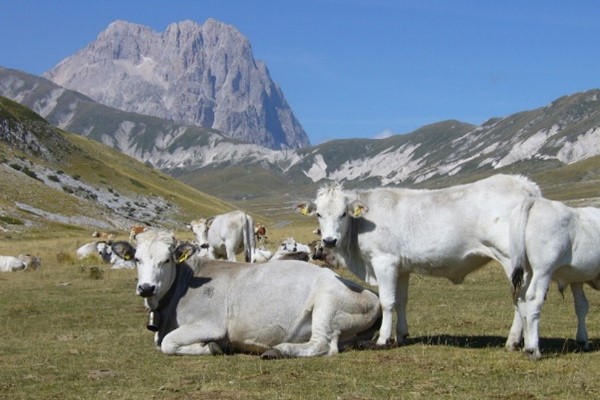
[(30, 261), (103, 235), (559, 243), (383, 235), (262, 255), (10, 264), (134, 231), (289, 249), (91, 249), (226, 235), (280, 309), (260, 232)]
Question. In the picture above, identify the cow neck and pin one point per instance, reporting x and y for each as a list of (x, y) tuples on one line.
[(166, 299)]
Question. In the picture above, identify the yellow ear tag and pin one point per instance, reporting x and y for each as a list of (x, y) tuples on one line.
[(304, 211), (127, 257), (358, 211), (183, 257)]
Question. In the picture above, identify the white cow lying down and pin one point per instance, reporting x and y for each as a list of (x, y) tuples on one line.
[(289, 249), (280, 308), (559, 243), (11, 263)]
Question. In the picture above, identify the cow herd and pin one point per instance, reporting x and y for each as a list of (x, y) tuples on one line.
[(201, 301)]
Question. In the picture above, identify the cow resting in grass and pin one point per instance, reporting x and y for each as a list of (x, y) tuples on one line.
[(559, 243), (10, 264), (289, 249), (384, 235), (226, 235), (91, 249), (280, 309)]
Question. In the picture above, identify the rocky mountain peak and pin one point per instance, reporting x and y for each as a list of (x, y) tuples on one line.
[(193, 74)]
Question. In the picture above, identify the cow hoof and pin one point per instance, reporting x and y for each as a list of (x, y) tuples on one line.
[(272, 354), (367, 345), (215, 349), (583, 346), (512, 347), (533, 354)]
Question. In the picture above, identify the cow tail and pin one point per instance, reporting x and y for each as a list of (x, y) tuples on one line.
[(518, 250), (249, 240)]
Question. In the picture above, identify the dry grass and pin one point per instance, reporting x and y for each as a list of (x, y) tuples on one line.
[(69, 335)]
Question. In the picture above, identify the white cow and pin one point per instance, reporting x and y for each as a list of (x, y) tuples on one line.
[(10, 264), (560, 243), (281, 308), (289, 249), (262, 255), (91, 249), (383, 235), (226, 235)]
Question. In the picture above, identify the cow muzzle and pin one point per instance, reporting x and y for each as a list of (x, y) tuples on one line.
[(146, 290), (329, 242)]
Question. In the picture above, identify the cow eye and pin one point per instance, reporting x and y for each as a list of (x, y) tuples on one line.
[(343, 215), (318, 215)]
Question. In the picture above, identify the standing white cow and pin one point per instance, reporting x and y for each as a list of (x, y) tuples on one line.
[(226, 235), (383, 235), (281, 308), (560, 243)]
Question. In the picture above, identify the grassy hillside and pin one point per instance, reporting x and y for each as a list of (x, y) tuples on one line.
[(80, 184)]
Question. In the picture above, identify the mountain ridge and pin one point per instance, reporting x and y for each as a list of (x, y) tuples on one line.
[(560, 133), (191, 74)]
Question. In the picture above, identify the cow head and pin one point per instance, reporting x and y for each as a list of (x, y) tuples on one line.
[(156, 264), (334, 210), (200, 229)]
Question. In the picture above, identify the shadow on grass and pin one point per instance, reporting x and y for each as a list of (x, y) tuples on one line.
[(548, 346)]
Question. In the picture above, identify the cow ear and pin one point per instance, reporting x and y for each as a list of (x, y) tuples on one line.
[(184, 251), (209, 222), (123, 249), (309, 208), (357, 209)]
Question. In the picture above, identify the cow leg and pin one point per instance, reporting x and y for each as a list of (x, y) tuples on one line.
[(515, 336), (581, 310), (401, 302), (230, 249), (190, 340), (534, 298), (323, 339), (388, 281)]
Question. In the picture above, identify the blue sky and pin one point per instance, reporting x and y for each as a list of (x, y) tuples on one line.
[(358, 68)]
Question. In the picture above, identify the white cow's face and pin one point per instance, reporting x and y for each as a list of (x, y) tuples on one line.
[(335, 212), (332, 214), (289, 245), (155, 266), (200, 229)]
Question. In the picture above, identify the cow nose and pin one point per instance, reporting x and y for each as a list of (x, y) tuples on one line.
[(329, 242), (146, 290)]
